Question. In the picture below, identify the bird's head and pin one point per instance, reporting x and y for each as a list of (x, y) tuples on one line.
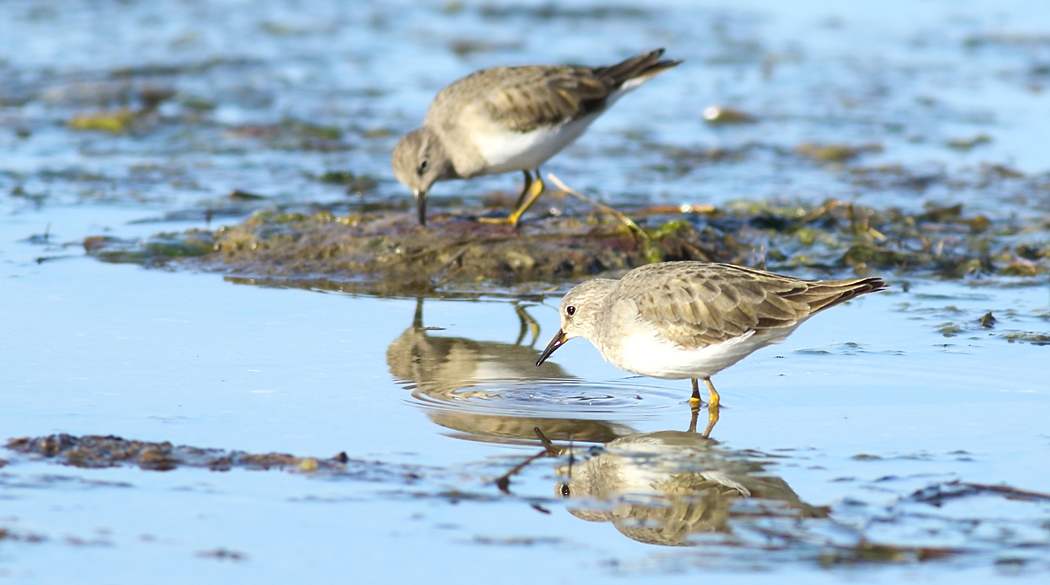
[(419, 161), (580, 313)]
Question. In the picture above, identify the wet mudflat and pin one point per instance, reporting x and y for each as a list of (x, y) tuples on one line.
[(234, 392)]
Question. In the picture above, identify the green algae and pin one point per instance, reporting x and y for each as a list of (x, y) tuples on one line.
[(114, 122), (835, 153), (155, 250)]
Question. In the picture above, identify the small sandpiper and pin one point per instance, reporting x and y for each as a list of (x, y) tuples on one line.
[(512, 119), (679, 320)]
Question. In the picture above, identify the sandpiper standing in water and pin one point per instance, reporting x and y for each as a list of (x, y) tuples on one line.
[(679, 320), (507, 119)]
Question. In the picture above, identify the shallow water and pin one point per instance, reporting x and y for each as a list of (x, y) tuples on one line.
[(870, 411)]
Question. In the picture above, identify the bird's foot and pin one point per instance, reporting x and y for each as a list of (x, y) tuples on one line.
[(511, 220), (529, 194)]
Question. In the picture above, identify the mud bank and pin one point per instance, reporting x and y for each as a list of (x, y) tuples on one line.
[(385, 252)]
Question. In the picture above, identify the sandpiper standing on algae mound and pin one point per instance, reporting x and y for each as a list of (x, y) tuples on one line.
[(680, 320), (512, 119)]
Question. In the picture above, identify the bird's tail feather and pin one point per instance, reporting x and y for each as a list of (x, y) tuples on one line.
[(637, 69), (829, 294)]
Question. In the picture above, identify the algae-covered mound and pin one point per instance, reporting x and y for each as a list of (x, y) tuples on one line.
[(387, 252), (393, 254)]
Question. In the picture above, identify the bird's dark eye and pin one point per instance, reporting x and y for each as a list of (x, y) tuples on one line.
[(570, 310), (424, 164), (565, 491)]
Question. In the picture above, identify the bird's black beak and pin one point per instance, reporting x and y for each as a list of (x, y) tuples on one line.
[(555, 343), (421, 205)]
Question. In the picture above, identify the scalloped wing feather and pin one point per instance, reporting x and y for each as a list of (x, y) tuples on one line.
[(703, 306)]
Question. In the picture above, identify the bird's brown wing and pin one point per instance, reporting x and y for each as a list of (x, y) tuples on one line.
[(525, 98), (702, 304)]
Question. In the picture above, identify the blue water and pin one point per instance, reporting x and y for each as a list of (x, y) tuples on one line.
[(860, 408)]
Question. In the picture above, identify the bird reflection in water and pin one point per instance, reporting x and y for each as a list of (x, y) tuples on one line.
[(490, 391), (659, 487), (667, 487)]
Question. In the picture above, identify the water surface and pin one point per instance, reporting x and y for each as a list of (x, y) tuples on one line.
[(866, 447)]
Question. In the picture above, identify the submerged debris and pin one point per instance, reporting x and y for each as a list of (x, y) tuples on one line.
[(222, 554), (93, 451), (939, 493), (115, 122), (968, 143), (357, 184), (835, 153), (8, 534), (871, 553), (292, 134), (156, 250), (725, 115), (1033, 338)]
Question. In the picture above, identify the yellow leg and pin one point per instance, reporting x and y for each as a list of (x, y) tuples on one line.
[(712, 418), (525, 187), (695, 401), (694, 411), (712, 399), (529, 194), (527, 324)]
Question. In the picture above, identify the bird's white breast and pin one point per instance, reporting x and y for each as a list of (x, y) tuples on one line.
[(506, 150), (649, 354)]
